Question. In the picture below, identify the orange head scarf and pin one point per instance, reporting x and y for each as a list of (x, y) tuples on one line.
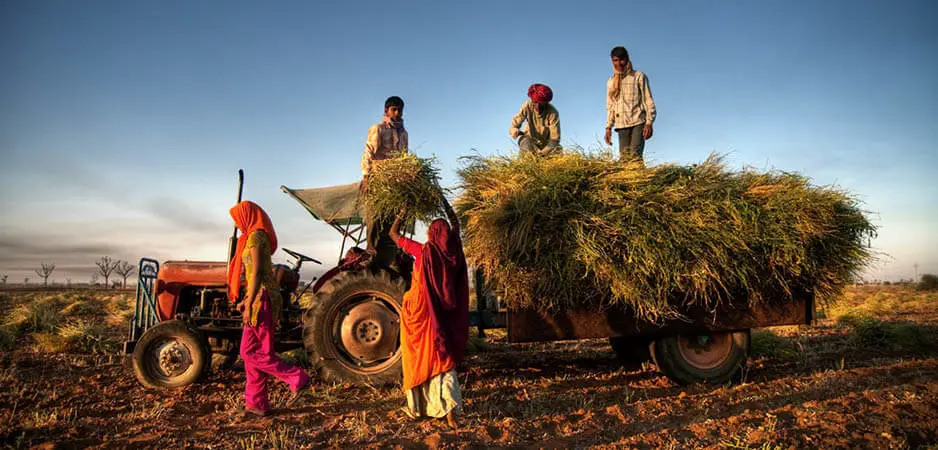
[(248, 217)]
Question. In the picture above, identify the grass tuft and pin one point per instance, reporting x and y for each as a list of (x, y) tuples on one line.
[(879, 334), (42, 315), (299, 357), (75, 336)]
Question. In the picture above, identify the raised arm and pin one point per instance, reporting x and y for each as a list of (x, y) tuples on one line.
[(451, 215), (395, 232)]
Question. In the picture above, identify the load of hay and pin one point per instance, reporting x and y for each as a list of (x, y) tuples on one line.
[(585, 229), (404, 182)]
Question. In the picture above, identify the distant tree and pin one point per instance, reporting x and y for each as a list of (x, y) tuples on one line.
[(116, 284), (26, 281), (125, 269), (68, 282), (106, 265), (45, 272), (3, 279), (94, 279), (929, 282)]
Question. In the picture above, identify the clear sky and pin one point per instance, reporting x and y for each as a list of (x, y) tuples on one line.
[(123, 123)]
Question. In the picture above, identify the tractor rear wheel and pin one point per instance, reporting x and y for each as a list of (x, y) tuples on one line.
[(352, 329), (171, 354), (712, 357)]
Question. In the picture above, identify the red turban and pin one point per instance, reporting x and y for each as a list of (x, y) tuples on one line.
[(540, 93)]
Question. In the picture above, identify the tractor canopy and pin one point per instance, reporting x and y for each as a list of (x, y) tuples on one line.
[(337, 206)]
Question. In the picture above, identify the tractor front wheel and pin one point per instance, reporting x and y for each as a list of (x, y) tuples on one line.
[(171, 354)]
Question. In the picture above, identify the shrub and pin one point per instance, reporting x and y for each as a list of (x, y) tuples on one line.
[(876, 333), (768, 344), (928, 282)]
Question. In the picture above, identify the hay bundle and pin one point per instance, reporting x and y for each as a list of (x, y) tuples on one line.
[(404, 182), (587, 229)]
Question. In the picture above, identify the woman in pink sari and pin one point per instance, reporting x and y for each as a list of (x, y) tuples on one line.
[(260, 309)]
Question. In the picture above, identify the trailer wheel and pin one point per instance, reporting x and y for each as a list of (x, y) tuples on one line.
[(715, 357), (171, 354), (352, 329), (631, 350)]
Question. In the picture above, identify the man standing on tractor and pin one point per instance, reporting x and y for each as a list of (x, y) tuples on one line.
[(386, 139), (630, 108), (541, 134)]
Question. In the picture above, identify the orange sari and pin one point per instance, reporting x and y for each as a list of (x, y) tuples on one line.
[(420, 328), (435, 316)]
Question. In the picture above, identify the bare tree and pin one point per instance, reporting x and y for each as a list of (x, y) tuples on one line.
[(45, 272), (26, 281), (125, 269), (3, 279), (68, 282), (106, 265), (94, 279)]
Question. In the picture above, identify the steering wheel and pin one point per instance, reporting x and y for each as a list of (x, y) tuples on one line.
[(300, 256)]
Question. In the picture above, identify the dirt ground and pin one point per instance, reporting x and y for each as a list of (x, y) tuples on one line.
[(838, 384)]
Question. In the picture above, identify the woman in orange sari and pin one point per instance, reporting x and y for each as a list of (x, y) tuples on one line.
[(260, 309), (434, 320)]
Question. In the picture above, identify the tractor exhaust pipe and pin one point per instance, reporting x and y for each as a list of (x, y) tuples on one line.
[(233, 241)]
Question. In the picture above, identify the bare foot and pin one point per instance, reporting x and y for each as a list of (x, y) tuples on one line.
[(451, 420), (407, 412)]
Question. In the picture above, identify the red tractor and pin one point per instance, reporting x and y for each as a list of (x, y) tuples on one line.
[(183, 319)]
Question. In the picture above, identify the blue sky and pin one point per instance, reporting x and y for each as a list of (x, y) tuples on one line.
[(123, 123)]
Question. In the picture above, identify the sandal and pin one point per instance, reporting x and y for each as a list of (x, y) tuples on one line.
[(295, 397), (253, 412)]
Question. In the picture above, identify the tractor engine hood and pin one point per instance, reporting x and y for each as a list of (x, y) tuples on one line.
[(194, 273)]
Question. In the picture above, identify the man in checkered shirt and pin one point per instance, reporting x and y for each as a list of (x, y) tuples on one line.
[(629, 105)]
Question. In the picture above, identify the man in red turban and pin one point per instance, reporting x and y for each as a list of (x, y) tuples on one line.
[(541, 121)]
